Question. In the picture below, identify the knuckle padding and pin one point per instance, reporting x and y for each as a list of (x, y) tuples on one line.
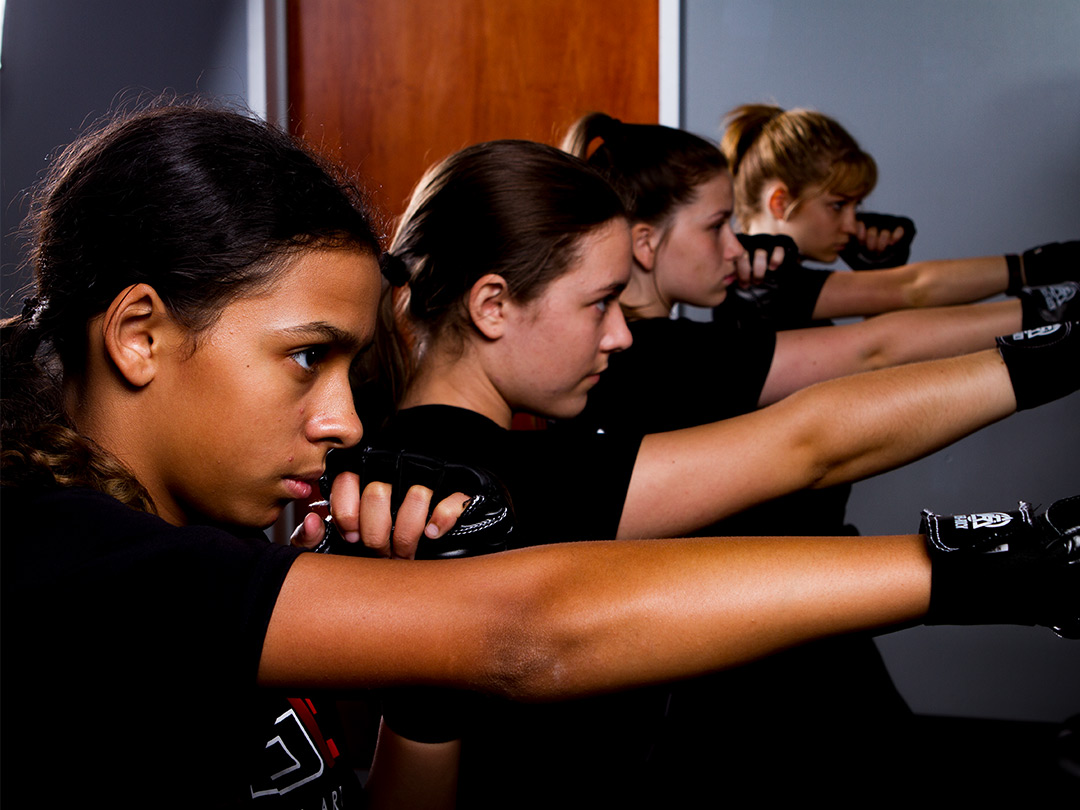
[(483, 527), (857, 257)]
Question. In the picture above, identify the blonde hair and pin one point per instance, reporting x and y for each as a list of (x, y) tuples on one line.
[(804, 149)]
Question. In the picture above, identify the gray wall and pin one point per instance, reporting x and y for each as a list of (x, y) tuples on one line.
[(972, 110), (68, 62)]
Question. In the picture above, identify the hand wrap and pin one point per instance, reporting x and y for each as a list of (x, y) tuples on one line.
[(1043, 363), (484, 527), (1006, 567), (1053, 303), (780, 298), (1046, 264), (858, 257)]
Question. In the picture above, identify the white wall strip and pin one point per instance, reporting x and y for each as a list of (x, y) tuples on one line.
[(670, 62)]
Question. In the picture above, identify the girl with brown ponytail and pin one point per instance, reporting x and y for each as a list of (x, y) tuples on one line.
[(800, 174)]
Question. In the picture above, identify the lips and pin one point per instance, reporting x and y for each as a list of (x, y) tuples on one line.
[(301, 487)]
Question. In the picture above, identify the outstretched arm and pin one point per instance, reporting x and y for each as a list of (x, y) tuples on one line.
[(922, 284), (833, 432), (559, 621), (564, 620), (806, 356)]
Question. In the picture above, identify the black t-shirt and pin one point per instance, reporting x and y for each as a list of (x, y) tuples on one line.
[(131, 649), (786, 300), (680, 373), (564, 487)]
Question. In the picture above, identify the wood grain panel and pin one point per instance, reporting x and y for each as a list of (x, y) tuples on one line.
[(389, 86)]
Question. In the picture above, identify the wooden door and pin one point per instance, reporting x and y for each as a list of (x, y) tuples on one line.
[(387, 87)]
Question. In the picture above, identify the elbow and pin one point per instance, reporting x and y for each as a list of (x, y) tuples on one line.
[(530, 646), (813, 445), (917, 290), (524, 664)]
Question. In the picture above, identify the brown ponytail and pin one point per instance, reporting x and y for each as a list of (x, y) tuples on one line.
[(807, 151)]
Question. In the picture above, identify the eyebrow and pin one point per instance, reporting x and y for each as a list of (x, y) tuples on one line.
[(325, 332), (614, 288)]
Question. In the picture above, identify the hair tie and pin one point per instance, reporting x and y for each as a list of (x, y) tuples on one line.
[(394, 270), (33, 308)]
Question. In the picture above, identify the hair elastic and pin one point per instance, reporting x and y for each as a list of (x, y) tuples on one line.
[(394, 270)]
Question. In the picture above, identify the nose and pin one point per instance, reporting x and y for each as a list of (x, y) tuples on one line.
[(617, 335), (850, 226), (334, 420), (730, 245)]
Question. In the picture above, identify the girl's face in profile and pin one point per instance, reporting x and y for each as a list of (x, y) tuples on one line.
[(559, 343), (821, 224), (694, 262), (254, 408)]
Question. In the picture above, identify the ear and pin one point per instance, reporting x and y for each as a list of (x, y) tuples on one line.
[(134, 331), (645, 240), (488, 302), (777, 200)]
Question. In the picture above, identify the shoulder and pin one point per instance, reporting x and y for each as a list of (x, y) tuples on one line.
[(89, 540)]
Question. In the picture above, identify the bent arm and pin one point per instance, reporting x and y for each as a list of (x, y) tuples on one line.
[(830, 433), (566, 620), (922, 284), (806, 356)]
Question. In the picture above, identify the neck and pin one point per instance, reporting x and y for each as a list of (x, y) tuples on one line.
[(641, 299), (760, 224), (457, 377)]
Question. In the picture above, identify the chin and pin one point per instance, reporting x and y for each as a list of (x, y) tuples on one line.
[(823, 257)]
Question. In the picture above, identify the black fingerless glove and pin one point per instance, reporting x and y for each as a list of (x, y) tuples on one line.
[(1043, 363), (858, 257), (1053, 303), (1046, 264), (1006, 567), (484, 527), (788, 294)]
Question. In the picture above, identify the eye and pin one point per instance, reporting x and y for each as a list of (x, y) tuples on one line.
[(309, 358), (604, 303)]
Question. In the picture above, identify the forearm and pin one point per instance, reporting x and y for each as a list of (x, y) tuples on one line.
[(829, 433), (921, 284), (910, 336), (407, 774), (869, 423), (567, 620), (806, 356)]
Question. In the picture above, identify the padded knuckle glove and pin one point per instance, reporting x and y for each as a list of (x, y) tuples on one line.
[(858, 257), (1043, 363), (484, 527), (1052, 303), (1045, 264), (1006, 567), (774, 298)]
